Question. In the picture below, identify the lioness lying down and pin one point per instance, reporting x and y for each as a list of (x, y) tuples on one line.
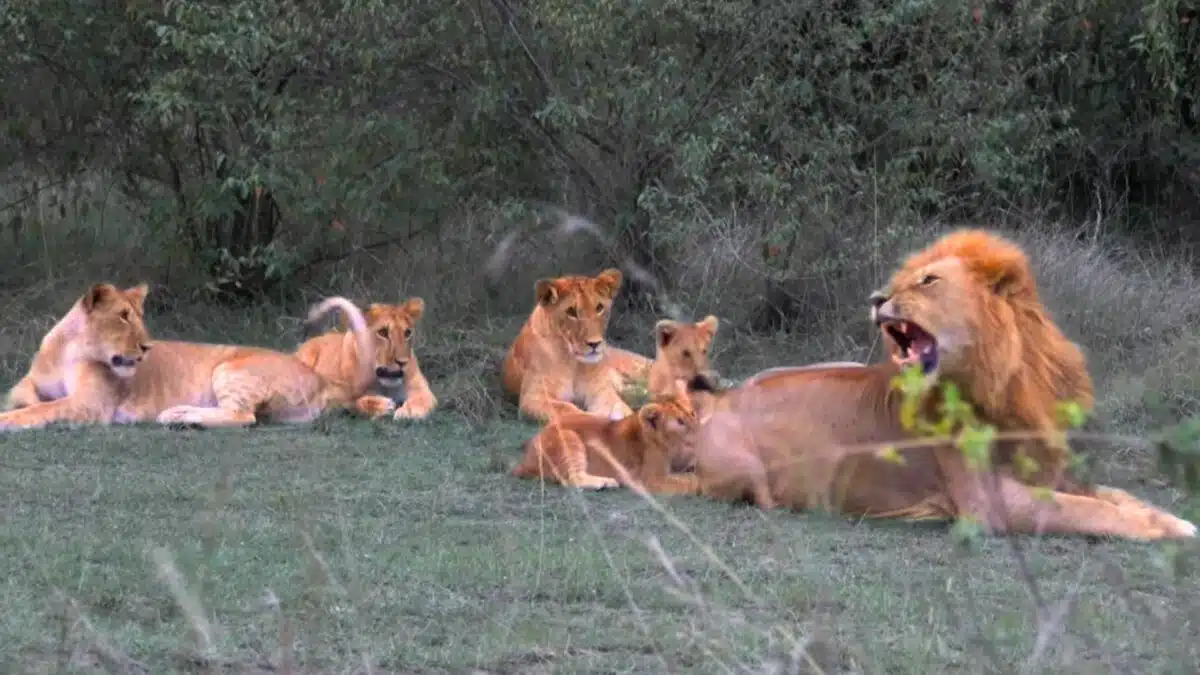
[(965, 310), (98, 365)]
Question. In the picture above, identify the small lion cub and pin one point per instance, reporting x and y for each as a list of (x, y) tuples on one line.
[(579, 449)]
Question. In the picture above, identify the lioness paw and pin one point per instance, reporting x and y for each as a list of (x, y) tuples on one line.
[(411, 411), (375, 406), (597, 483)]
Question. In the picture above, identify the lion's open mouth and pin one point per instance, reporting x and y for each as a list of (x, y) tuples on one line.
[(915, 343)]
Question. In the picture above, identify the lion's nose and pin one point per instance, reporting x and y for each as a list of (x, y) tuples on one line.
[(381, 372), (878, 298), (595, 344)]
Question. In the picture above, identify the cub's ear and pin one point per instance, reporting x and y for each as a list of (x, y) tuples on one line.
[(664, 332), (608, 282), (546, 291), (414, 307), (137, 296), (97, 295), (709, 325), (652, 415)]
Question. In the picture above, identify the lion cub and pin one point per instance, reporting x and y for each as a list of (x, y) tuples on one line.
[(398, 376), (575, 449)]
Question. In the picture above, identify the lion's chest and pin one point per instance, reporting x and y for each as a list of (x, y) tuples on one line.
[(51, 390)]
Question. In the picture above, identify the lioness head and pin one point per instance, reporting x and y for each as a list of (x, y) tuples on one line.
[(667, 419), (114, 332), (683, 347), (578, 310), (966, 289), (393, 326)]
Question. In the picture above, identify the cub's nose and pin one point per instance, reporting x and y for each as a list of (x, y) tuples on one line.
[(878, 298)]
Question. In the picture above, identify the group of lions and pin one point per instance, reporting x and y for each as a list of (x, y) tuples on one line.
[(965, 310)]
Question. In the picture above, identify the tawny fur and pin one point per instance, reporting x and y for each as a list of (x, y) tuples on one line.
[(73, 377), (577, 449), (560, 361), (397, 374), (809, 438)]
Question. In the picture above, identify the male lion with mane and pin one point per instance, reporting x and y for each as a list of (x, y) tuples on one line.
[(578, 449), (559, 358), (398, 376), (964, 310), (97, 365)]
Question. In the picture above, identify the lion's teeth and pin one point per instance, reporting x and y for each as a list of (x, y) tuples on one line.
[(903, 326)]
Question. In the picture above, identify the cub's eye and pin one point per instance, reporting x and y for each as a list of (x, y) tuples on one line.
[(407, 332), (572, 312), (382, 332), (929, 279), (600, 308), (687, 353), (124, 315)]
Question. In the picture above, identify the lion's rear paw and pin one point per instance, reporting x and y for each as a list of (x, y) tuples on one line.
[(1167, 526)]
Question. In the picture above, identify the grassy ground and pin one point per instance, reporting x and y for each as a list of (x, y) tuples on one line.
[(405, 547)]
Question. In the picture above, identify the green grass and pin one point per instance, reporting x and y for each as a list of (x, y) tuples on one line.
[(409, 548)]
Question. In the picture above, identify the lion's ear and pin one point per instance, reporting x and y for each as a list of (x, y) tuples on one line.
[(546, 291), (651, 415), (414, 307), (664, 332), (97, 295), (709, 325), (608, 282), (137, 296)]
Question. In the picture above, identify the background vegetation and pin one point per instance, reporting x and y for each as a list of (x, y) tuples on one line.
[(766, 162)]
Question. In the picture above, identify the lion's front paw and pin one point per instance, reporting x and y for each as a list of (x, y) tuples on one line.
[(179, 415), (412, 410), (597, 483), (374, 406)]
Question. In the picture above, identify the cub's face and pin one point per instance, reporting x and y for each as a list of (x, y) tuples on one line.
[(393, 326), (667, 420), (684, 348), (115, 334), (579, 308)]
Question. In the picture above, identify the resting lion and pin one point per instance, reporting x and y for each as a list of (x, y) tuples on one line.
[(398, 376), (965, 310), (98, 365), (573, 449), (559, 358)]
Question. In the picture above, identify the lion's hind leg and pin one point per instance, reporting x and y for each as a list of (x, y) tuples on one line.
[(563, 453), (1020, 509), (238, 393)]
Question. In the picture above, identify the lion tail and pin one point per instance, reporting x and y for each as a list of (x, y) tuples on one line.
[(362, 335)]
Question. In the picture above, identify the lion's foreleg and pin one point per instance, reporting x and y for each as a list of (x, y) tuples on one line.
[(539, 399), (72, 409), (419, 400), (604, 399)]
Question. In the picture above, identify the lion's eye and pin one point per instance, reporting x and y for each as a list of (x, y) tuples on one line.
[(929, 279), (687, 353), (407, 332), (600, 308), (572, 312), (382, 332), (124, 315)]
